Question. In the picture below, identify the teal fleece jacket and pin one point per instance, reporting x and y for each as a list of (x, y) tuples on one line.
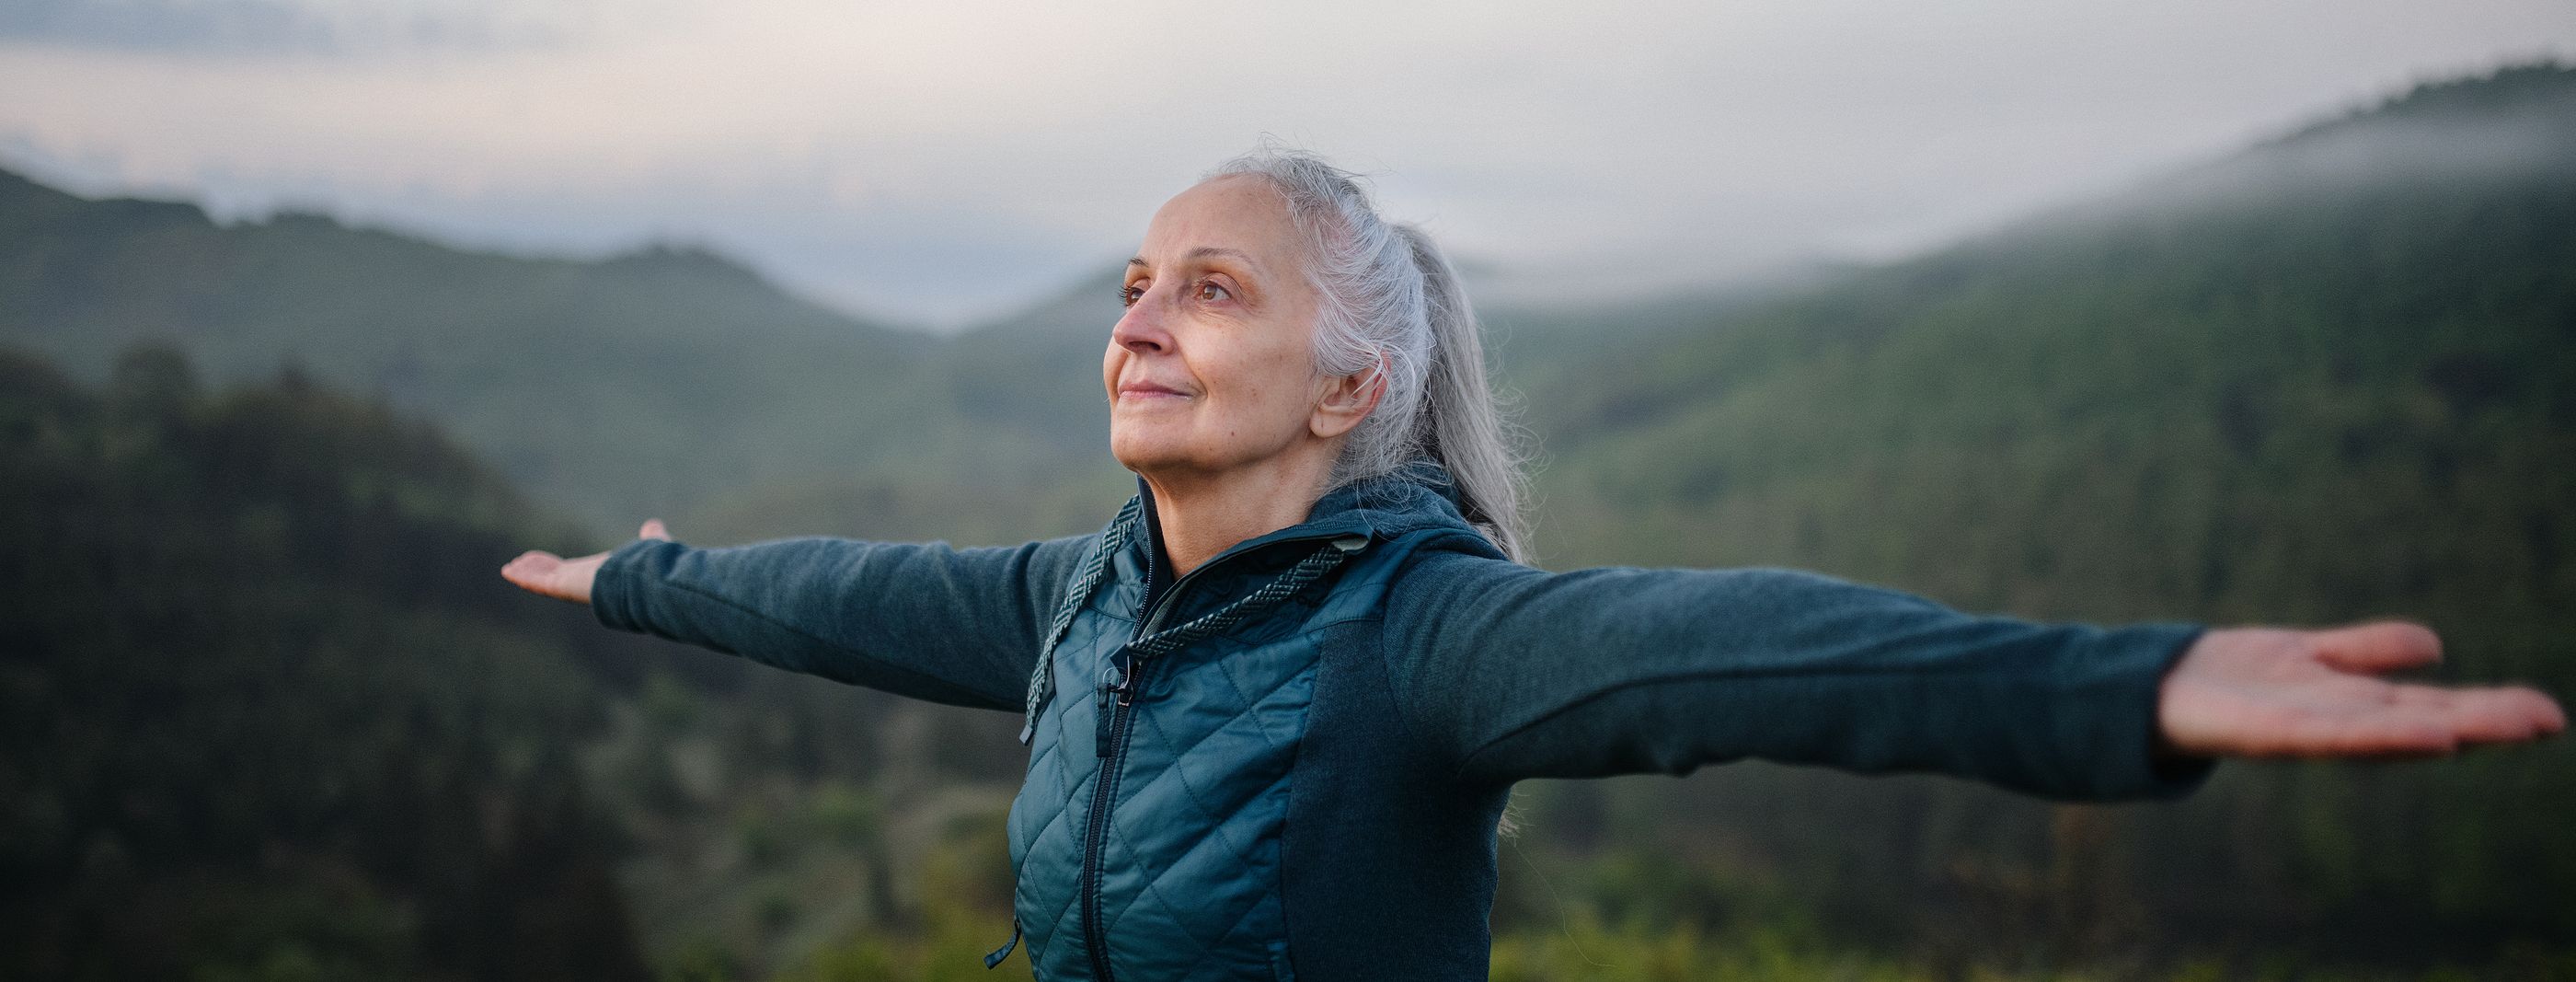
[(1472, 672)]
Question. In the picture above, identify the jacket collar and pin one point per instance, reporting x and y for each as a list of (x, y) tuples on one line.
[(1417, 497)]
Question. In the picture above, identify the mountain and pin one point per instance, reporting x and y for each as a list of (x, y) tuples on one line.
[(2330, 378), (620, 388), (2358, 321)]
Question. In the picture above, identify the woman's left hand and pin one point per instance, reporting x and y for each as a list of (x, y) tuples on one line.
[(2270, 692), (544, 573)]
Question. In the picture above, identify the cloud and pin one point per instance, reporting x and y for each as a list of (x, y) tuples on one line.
[(271, 27), (950, 160)]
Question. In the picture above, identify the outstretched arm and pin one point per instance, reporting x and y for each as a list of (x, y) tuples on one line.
[(1515, 672), (925, 620)]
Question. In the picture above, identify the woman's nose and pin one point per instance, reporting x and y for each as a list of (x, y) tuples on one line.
[(1140, 331)]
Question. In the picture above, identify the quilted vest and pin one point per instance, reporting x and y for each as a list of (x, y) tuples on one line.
[(1163, 726)]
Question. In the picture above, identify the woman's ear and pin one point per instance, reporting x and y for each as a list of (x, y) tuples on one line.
[(1347, 399)]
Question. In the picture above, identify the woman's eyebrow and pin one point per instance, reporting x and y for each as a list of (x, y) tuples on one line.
[(1203, 252)]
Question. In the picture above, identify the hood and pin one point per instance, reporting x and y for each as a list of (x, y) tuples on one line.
[(1419, 496)]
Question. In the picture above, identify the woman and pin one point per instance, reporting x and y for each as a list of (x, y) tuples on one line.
[(1274, 708)]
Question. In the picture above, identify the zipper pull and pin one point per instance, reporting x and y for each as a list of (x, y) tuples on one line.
[(1004, 951), (1117, 686), (1127, 684), (1118, 679)]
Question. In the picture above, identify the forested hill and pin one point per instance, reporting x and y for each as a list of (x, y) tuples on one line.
[(2329, 379), (2134, 357), (264, 711), (617, 387)]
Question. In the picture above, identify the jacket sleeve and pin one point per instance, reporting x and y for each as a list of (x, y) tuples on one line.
[(958, 626), (1516, 672)]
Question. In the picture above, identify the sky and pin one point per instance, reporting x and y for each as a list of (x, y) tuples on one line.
[(939, 164)]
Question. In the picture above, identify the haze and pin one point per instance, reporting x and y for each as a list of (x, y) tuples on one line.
[(940, 164)]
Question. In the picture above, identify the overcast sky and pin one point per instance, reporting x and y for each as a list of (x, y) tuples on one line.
[(941, 162)]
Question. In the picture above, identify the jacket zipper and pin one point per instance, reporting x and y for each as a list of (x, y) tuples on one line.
[(1113, 731), (1117, 718)]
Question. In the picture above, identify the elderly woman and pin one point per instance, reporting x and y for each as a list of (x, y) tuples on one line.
[(1275, 707)]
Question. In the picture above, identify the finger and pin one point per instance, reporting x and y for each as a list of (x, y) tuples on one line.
[(2385, 732), (2383, 646), (2418, 721), (531, 570), (2486, 713), (531, 561), (2504, 715), (653, 529), (2553, 717)]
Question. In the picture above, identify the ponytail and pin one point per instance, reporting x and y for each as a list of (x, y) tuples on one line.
[(1467, 433)]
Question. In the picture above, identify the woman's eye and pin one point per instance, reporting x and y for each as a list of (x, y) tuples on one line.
[(1128, 295), (1209, 291)]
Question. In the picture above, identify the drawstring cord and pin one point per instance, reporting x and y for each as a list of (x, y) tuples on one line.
[(1258, 601), (1042, 681)]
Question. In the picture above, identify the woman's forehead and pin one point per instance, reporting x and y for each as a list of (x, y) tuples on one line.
[(1235, 213)]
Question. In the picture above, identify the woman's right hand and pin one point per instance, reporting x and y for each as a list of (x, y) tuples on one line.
[(2273, 692), (541, 572)]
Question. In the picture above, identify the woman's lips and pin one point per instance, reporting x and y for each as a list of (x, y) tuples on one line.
[(1148, 390)]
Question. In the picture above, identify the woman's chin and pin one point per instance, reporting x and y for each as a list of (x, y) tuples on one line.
[(1144, 454)]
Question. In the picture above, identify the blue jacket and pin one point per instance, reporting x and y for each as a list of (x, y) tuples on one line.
[(1291, 762)]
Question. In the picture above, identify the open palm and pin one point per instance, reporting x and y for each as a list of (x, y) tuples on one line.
[(2271, 692), (542, 572)]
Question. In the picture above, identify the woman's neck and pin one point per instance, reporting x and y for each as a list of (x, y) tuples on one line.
[(1202, 515)]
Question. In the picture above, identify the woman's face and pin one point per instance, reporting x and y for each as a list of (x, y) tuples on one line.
[(1212, 366)]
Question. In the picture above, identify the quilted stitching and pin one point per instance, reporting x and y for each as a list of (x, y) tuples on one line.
[(1214, 816), (1207, 950), (1041, 834), (1216, 822), (1077, 786), (1180, 753), (1176, 863), (1150, 890), (1223, 672)]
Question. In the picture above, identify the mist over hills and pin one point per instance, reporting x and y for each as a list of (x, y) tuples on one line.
[(2191, 316)]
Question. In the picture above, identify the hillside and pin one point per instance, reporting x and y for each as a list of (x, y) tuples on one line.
[(266, 716), (2378, 339), (639, 384), (2329, 379)]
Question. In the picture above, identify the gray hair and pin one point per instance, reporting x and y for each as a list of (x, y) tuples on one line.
[(1389, 300)]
